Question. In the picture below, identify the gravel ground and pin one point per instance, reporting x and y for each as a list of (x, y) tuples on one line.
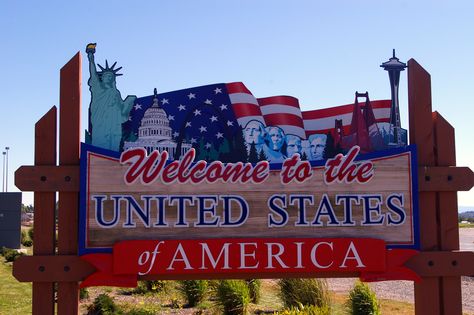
[(403, 290)]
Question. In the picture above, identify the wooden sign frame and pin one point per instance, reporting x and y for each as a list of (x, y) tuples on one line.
[(439, 263)]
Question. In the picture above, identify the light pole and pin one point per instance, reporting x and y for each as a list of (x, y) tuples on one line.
[(3, 178), (6, 172)]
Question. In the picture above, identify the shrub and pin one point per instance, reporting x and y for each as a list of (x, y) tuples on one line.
[(149, 286), (83, 294), (102, 305), (305, 310), (27, 243), (10, 254), (362, 300), (233, 296), (23, 236), (194, 291), (295, 292), (254, 289), (30, 234)]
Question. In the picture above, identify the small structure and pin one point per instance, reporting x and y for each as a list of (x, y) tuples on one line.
[(154, 132), (394, 66)]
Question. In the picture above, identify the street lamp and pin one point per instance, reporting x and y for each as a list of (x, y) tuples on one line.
[(6, 173), (3, 178)]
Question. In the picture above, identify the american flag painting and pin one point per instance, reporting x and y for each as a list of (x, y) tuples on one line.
[(220, 120)]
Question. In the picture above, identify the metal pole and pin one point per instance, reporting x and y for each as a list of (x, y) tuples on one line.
[(3, 178), (6, 172)]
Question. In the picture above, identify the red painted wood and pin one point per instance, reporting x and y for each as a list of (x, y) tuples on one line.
[(451, 295), (69, 144), (421, 134), (45, 202)]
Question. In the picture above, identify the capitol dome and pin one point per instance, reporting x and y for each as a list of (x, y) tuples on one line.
[(155, 123), (155, 133)]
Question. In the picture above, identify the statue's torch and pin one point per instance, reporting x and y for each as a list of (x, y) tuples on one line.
[(90, 48)]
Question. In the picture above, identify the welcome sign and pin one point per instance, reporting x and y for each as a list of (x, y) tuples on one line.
[(212, 181)]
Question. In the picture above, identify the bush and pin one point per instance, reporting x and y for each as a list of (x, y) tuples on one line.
[(10, 254), (149, 286), (233, 296), (362, 300), (103, 305), (254, 289), (30, 234), (83, 294), (27, 243), (23, 236), (296, 292), (305, 310), (194, 291)]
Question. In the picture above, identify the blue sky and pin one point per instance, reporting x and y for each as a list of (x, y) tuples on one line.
[(320, 52)]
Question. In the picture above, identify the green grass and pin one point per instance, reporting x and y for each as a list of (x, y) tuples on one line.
[(466, 225), (15, 297)]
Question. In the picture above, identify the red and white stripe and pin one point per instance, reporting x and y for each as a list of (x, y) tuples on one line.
[(244, 104), (284, 112), (323, 120)]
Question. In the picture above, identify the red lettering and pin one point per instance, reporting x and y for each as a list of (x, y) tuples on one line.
[(348, 171)]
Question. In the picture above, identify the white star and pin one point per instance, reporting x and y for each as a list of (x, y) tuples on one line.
[(191, 95), (223, 106), (219, 135), (175, 134), (230, 123), (203, 129), (218, 90), (197, 112), (137, 107), (164, 101), (170, 117), (181, 107), (213, 118), (208, 102), (188, 124), (193, 140), (208, 145)]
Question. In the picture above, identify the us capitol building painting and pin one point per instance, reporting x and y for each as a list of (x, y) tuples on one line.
[(154, 133)]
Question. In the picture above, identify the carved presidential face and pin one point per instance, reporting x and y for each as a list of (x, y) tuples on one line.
[(276, 138), (254, 133), (316, 148), (293, 145)]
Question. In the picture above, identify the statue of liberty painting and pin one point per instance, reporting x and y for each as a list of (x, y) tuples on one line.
[(107, 111)]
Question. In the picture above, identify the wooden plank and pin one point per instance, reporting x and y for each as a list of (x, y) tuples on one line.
[(421, 134), (451, 295), (71, 268), (447, 178), (48, 178), (45, 203), (106, 176), (69, 144), (66, 178)]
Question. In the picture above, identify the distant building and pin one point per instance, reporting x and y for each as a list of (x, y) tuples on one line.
[(154, 133)]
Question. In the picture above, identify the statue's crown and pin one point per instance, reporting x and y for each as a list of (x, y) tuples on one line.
[(109, 69)]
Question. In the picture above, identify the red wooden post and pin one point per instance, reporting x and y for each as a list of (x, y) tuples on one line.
[(69, 144), (421, 134), (450, 295), (45, 202)]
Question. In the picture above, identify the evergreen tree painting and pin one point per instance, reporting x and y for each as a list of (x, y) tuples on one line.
[(329, 151), (262, 156), (253, 156)]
